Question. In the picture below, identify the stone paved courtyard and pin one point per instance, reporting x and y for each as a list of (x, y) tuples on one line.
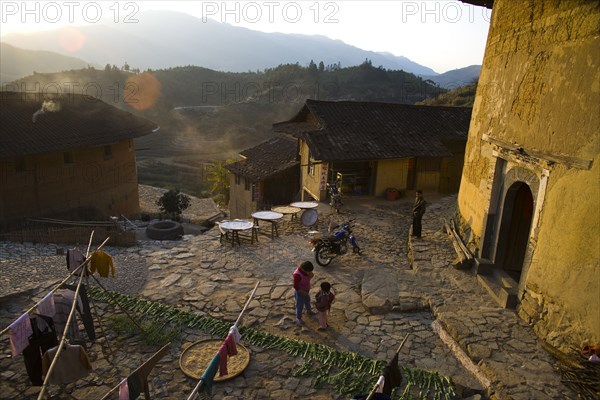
[(396, 287)]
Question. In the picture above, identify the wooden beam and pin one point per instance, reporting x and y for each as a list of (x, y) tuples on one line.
[(549, 159)]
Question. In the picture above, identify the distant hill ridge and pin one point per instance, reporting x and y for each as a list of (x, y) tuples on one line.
[(16, 63), (164, 39)]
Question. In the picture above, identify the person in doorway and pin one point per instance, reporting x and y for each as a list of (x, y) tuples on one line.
[(418, 211), (302, 276), (323, 300)]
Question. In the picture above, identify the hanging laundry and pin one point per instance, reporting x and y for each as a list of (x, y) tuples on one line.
[(392, 374), (130, 388), (380, 383), (236, 333), (227, 349), (83, 308), (209, 374), (19, 332), (124, 390), (63, 300), (42, 339), (71, 365), (103, 263), (74, 259), (46, 306)]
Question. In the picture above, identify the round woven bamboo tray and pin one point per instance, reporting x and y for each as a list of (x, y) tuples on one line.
[(196, 357)]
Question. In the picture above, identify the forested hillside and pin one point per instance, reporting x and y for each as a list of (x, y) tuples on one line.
[(461, 97)]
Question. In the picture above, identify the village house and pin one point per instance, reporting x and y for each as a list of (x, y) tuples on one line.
[(267, 175), (70, 156), (528, 198), (373, 147)]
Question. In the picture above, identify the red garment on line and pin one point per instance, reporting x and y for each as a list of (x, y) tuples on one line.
[(228, 348)]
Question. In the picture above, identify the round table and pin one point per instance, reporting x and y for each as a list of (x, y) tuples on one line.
[(286, 210), (309, 215), (235, 227), (269, 216), (304, 205)]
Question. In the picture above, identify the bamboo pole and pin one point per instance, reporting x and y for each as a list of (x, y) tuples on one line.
[(62, 282), (374, 390), (192, 396)]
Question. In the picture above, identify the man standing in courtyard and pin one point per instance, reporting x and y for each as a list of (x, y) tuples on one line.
[(302, 276), (418, 211)]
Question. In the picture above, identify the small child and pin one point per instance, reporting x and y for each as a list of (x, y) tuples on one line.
[(324, 298)]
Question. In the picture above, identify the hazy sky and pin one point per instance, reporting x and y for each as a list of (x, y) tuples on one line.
[(442, 35)]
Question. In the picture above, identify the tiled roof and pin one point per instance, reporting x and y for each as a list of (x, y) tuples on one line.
[(368, 130), (267, 159), (67, 122)]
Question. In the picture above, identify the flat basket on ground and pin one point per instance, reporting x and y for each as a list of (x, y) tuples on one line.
[(196, 357)]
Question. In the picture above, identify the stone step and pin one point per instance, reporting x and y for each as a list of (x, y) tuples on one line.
[(506, 297)]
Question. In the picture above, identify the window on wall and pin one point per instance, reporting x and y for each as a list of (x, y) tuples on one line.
[(68, 157), (238, 179), (107, 152), (311, 168), (254, 192), (247, 184)]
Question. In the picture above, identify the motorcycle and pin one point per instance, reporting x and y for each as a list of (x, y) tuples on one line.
[(327, 249), (335, 197)]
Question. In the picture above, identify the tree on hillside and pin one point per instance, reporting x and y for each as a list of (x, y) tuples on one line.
[(218, 176)]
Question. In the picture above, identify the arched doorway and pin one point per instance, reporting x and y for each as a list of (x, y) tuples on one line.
[(514, 232)]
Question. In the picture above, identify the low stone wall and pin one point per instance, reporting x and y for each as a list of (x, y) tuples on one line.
[(70, 236)]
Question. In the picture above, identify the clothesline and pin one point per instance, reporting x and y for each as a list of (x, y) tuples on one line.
[(64, 280), (237, 321)]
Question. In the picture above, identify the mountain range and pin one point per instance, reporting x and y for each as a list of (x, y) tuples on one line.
[(16, 63), (455, 78), (163, 39)]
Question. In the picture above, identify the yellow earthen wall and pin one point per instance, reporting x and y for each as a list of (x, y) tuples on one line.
[(49, 186), (540, 89), (240, 201), (311, 184), (391, 174)]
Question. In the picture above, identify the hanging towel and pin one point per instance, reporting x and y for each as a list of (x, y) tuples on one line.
[(209, 374), (393, 376), (236, 333), (46, 306), (19, 332), (102, 263), (227, 349), (71, 365), (74, 259)]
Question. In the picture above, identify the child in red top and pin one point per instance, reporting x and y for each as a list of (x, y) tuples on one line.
[(324, 298)]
